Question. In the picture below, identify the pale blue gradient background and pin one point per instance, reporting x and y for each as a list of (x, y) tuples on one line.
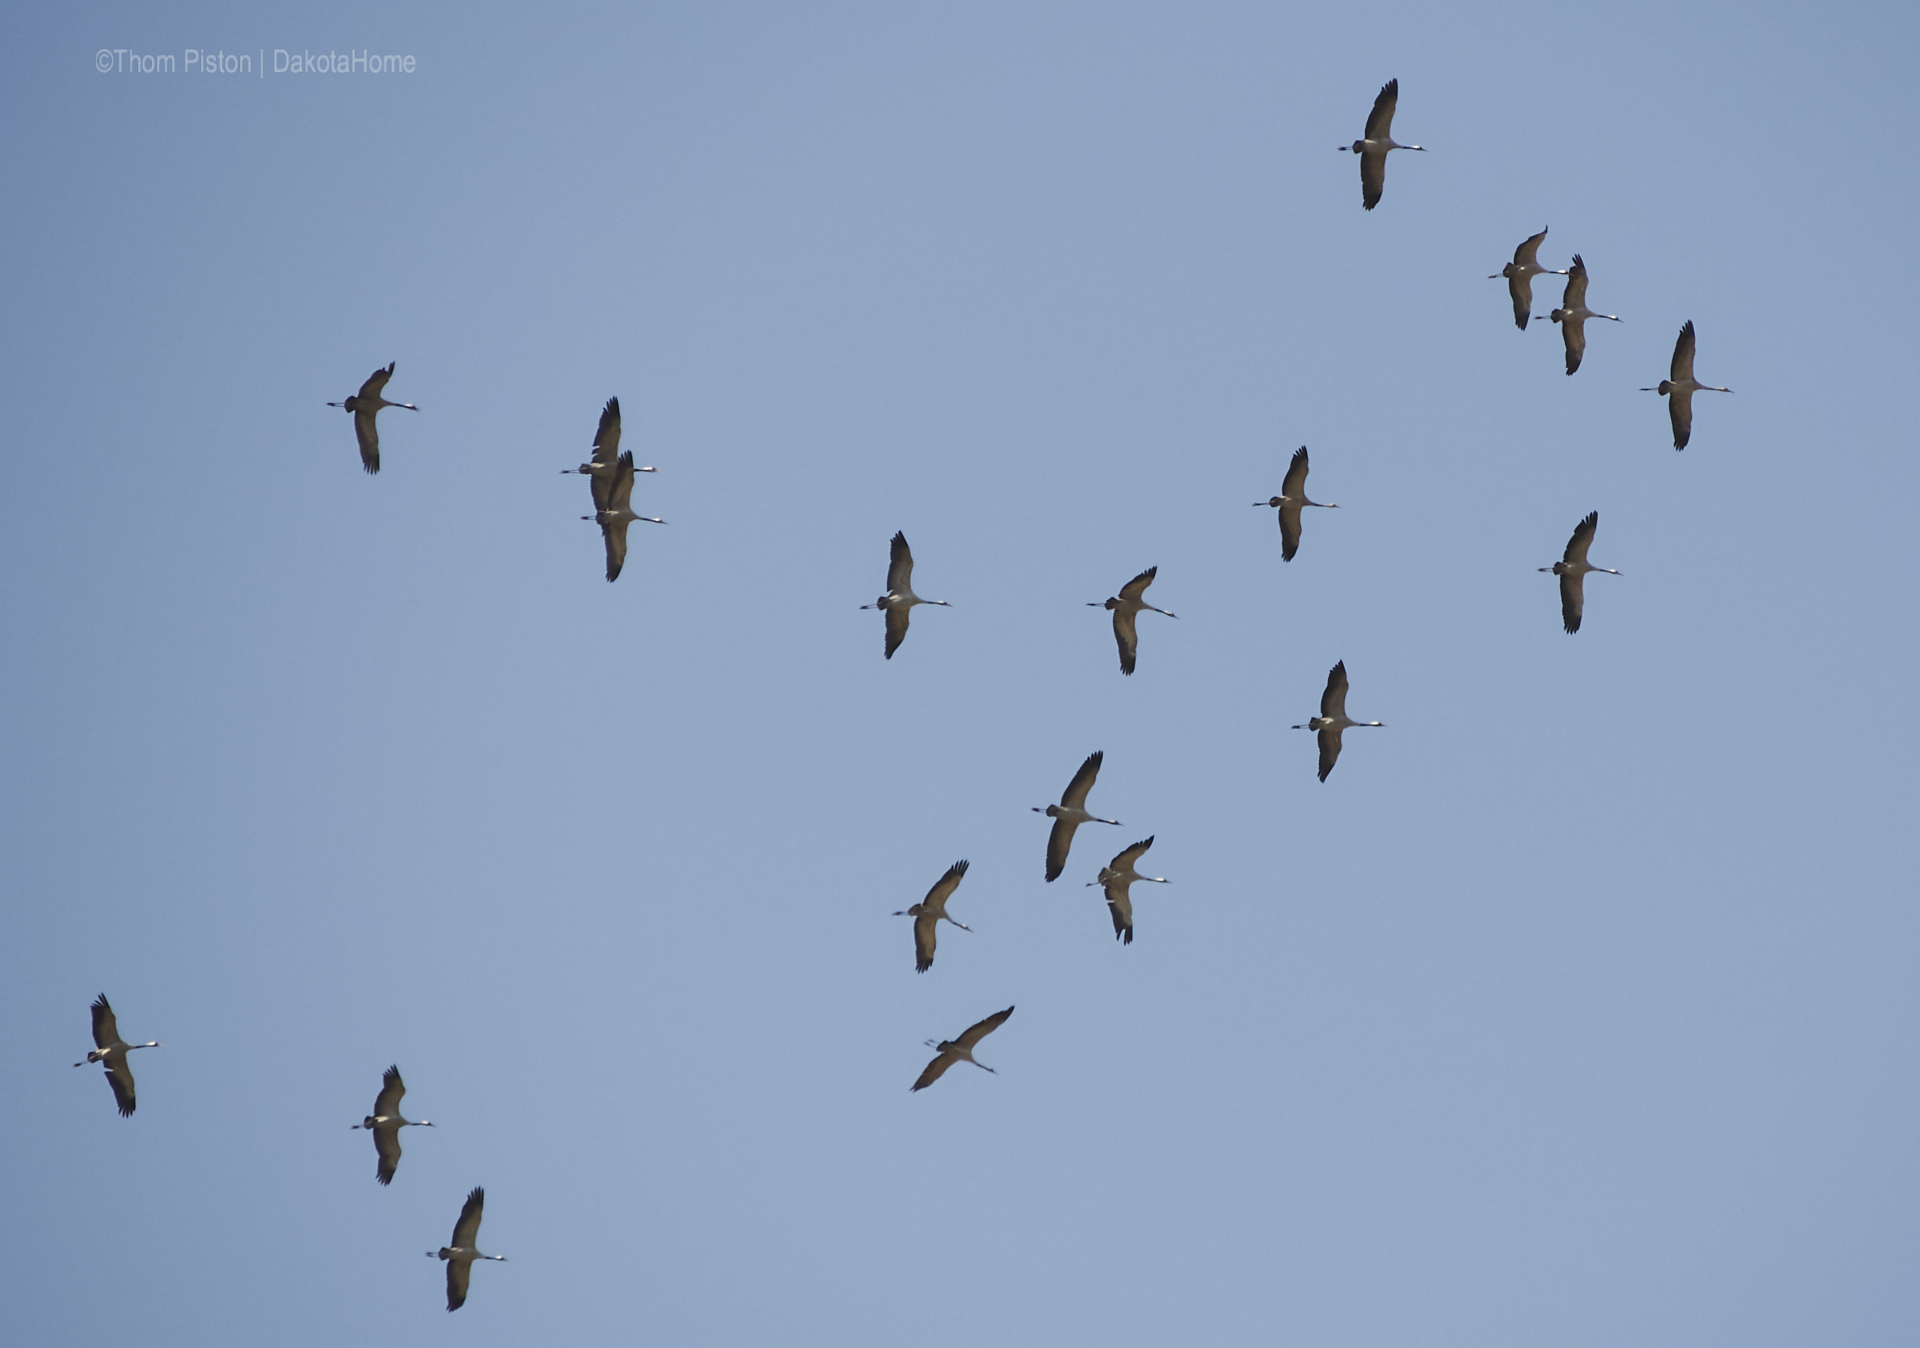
[(1577, 1008)]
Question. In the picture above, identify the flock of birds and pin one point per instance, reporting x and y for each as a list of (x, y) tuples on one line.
[(611, 474)]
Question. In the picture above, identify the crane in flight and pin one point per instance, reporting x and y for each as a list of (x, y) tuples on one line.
[(1520, 273), (1070, 814), (613, 512), (1680, 388), (951, 1051), (1117, 878), (462, 1251), (365, 406), (1333, 718), (110, 1050), (1126, 607), (1572, 315), (898, 601), (1292, 497), (1572, 570), (930, 912), (606, 445), (386, 1122), (1377, 143)]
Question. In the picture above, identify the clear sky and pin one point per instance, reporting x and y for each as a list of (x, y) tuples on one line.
[(1577, 1007)]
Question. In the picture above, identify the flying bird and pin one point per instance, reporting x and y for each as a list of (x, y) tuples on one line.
[(1520, 273), (1378, 142), (385, 1124), (899, 599), (462, 1252), (111, 1051), (365, 406), (1293, 496), (1116, 878), (1681, 388), (1572, 570), (613, 512), (1070, 814), (930, 912), (1333, 718), (1572, 315), (1125, 609), (606, 445), (952, 1051)]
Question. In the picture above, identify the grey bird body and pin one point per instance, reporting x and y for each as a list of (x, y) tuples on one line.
[(1374, 147), (1680, 386), (1520, 273), (899, 600), (386, 1122), (365, 406), (1116, 879), (463, 1249), (950, 1051), (1126, 607), (1572, 315), (110, 1051), (613, 512), (1573, 569), (1291, 500), (1333, 718), (606, 445), (930, 912), (1071, 813)]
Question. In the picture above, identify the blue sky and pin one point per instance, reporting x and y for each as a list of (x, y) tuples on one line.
[(1575, 1007)]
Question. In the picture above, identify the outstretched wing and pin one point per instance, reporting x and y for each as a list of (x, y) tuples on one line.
[(1520, 290), (606, 440), (1682, 367), (377, 382), (1574, 332), (620, 494), (120, 1077), (1120, 908), (105, 1029), (934, 1070), (899, 565), (458, 1271), (1575, 295), (943, 887), (1380, 120), (1373, 177), (1128, 857), (1333, 702), (368, 435), (1127, 635), (1573, 599), (466, 1230), (615, 536), (1075, 796), (1528, 253), (924, 936), (386, 1144), (1135, 588), (1582, 538), (1289, 530), (1680, 409), (1329, 751), (896, 624), (980, 1029), (387, 1103), (1059, 843), (1295, 482)]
